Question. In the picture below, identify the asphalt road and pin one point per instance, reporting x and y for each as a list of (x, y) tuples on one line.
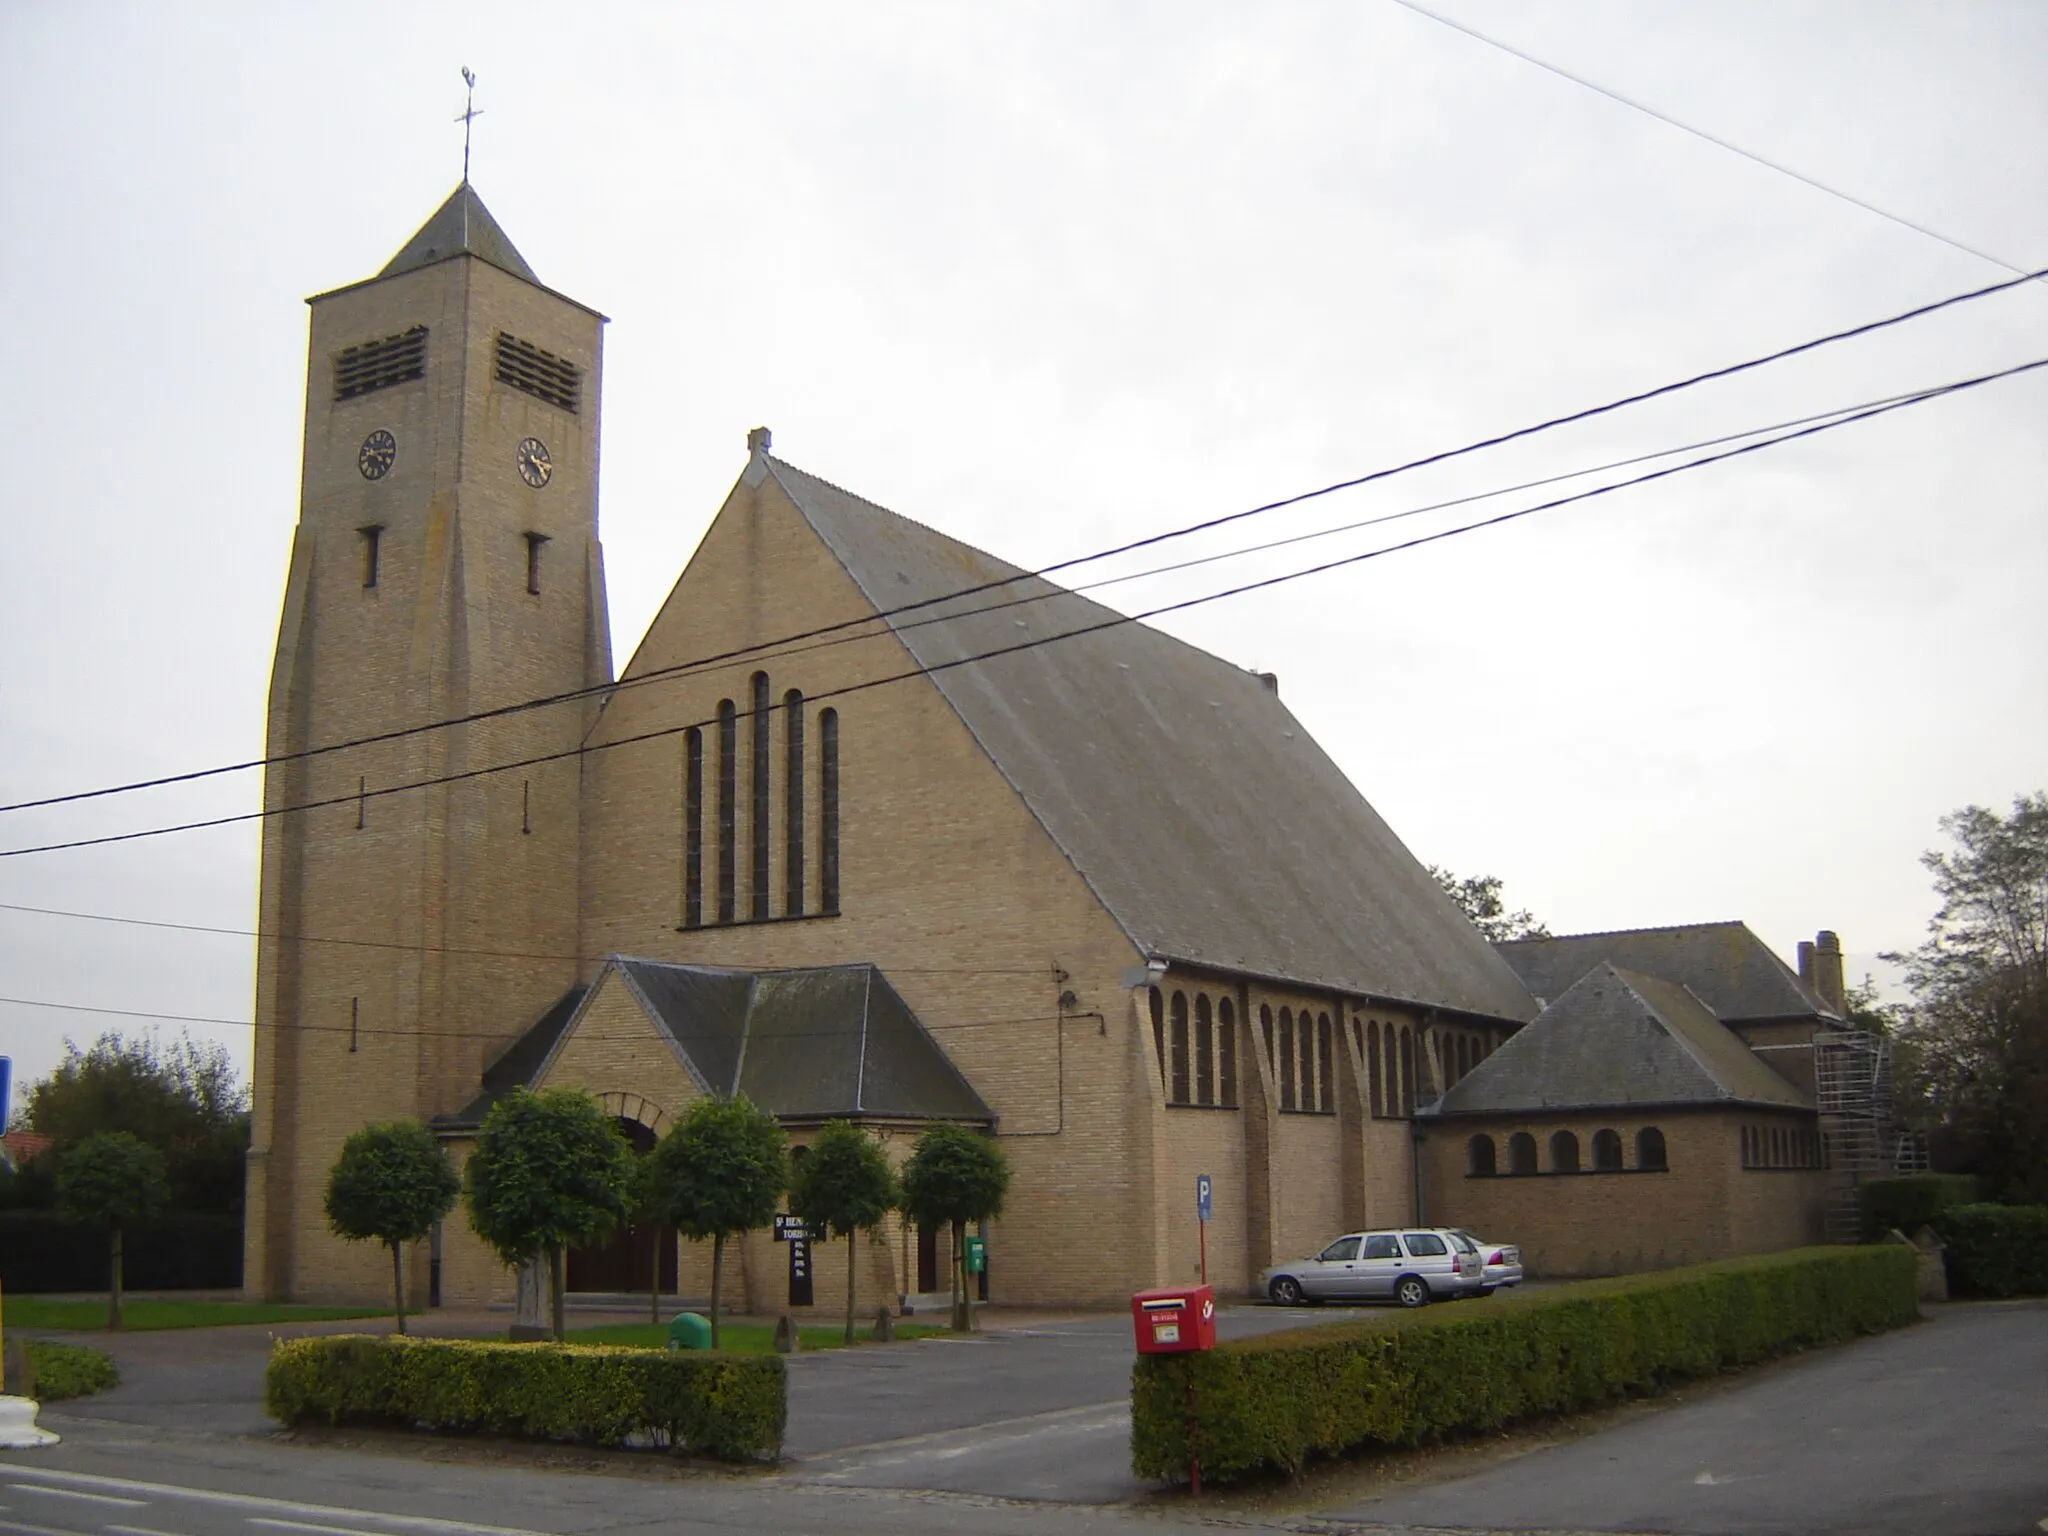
[(1937, 1430)]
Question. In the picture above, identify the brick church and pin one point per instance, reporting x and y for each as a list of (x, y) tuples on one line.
[(857, 833)]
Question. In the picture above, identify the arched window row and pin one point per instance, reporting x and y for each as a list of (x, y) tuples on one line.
[(1783, 1146), (1196, 1042), (723, 834), (1482, 1157)]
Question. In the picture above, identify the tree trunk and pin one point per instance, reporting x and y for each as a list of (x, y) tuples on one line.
[(556, 1277), (114, 1283), (852, 1265), (398, 1287), (717, 1277), (654, 1282), (962, 1318)]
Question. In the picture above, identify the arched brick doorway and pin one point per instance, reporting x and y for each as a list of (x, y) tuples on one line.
[(627, 1262)]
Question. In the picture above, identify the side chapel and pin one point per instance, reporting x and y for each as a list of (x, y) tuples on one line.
[(1104, 897)]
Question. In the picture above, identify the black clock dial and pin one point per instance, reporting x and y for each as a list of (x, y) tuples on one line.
[(534, 464), (378, 453)]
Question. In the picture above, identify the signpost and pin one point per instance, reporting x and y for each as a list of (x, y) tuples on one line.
[(6, 1089), (790, 1230), (1205, 1190)]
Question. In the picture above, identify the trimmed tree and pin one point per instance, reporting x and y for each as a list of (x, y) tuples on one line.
[(550, 1172), (719, 1172), (390, 1185), (113, 1180), (956, 1176), (843, 1185)]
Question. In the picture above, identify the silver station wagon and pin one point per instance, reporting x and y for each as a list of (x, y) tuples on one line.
[(1409, 1265)]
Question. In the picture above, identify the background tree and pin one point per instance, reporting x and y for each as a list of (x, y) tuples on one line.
[(113, 1180), (390, 1185), (183, 1099), (644, 1208), (1974, 1041), (550, 1171), (843, 1185), (720, 1171), (1479, 898), (956, 1176)]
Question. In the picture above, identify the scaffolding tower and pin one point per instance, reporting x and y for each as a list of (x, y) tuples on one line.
[(1852, 1083)]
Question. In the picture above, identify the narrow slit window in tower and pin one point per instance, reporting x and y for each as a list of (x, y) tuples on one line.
[(828, 811), (693, 828), (757, 823), (373, 539), (728, 809), (793, 804), (534, 541)]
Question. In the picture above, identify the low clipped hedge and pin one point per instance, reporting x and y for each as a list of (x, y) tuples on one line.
[(714, 1404), (1907, 1204), (69, 1370), (1401, 1378), (1996, 1250)]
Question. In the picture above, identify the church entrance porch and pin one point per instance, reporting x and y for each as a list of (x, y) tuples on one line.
[(637, 1256)]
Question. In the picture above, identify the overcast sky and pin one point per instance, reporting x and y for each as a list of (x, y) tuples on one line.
[(1050, 277)]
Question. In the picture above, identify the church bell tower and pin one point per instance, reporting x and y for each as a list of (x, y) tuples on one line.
[(419, 894)]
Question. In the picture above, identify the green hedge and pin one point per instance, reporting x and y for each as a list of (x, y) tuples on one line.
[(1905, 1205), (1996, 1250), (731, 1406), (69, 1370), (1400, 1378)]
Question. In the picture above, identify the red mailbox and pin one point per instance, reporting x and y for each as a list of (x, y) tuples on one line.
[(1169, 1322)]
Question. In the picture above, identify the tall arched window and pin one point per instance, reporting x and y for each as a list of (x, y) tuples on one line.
[(1308, 1061), (1521, 1153), (1607, 1151), (1650, 1148), (1479, 1157), (1326, 1057), (1464, 1054), (693, 828), (1748, 1160), (1226, 1053), (1393, 1100), (1159, 1032), (1564, 1153), (793, 803), (1205, 1052), (728, 809), (828, 810), (1177, 1019), (757, 820), (1287, 1079), (1407, 1072), (1372, 1066)]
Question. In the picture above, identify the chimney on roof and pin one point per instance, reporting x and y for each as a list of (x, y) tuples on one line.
[(1270, 681), (1820, 967), (760, 440)]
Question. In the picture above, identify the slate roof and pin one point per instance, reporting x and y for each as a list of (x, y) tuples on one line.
[(1619, 1039), (1206, 819), (1729, 968), (460, 226), (815, 1044)]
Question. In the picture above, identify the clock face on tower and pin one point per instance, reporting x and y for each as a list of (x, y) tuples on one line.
[(378, 453), (534, 464)]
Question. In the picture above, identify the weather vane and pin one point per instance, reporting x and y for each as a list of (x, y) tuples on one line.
[(469, 115)]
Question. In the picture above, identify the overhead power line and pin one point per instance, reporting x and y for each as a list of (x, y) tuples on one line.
[(1114, 621), (1714, 139), (1187, 530)]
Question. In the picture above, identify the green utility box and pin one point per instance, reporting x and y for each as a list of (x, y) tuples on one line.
[(689, 1331), (977, 1255)]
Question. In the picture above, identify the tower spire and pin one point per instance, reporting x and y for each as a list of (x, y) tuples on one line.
[(470, 114)]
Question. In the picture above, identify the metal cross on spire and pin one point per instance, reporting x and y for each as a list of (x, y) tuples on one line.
[(470, 114)]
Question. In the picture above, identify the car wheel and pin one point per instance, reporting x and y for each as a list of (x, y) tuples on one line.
[(1412, 1291), (1286, 1292)]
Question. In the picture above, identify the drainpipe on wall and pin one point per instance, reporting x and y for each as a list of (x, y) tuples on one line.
[(1415, 1134)]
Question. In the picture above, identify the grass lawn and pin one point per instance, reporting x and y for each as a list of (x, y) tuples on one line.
[(83, 1312), (741, 1338)]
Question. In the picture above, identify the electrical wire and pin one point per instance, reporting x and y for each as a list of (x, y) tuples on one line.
[(1112, 622), (1714, 139), (606, 690)]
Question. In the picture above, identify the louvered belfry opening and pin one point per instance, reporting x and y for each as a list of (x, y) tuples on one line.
[(539, 373), (374, 365)]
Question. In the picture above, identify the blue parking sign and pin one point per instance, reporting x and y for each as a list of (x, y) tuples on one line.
[(1203, 1189), (6, 1088)]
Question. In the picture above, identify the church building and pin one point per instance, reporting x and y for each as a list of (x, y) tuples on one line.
[(873, 825)]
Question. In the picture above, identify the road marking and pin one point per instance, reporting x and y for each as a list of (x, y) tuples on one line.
[(301, 1525), (843, 1451), (70, 1493), (281, 1506), (36, 1530), (139, 1530)]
